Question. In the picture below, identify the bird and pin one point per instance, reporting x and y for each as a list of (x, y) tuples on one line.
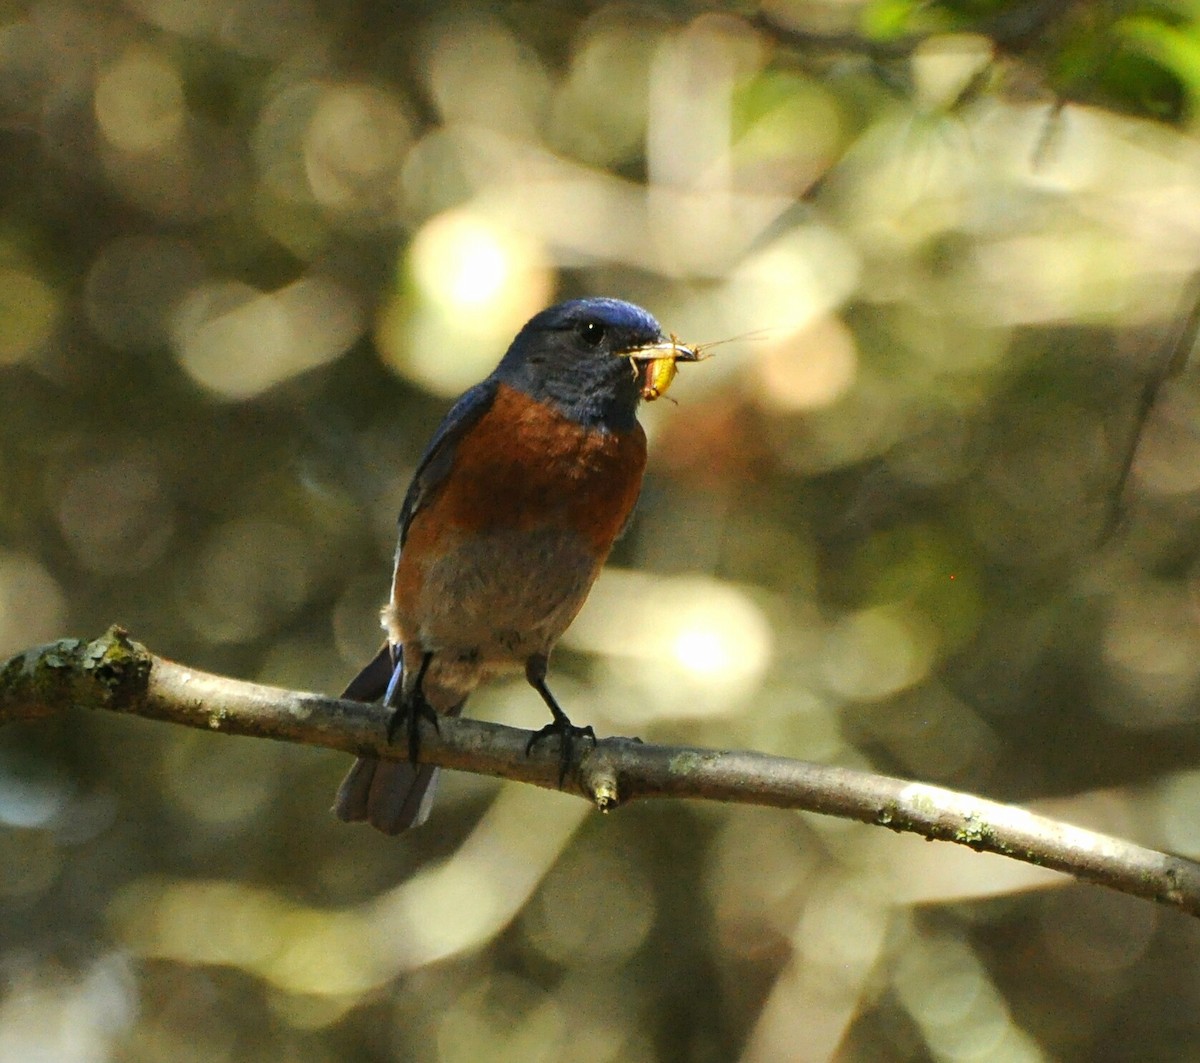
[(511, 513)]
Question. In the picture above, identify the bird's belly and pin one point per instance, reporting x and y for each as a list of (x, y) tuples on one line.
[(498, 559), (496, 598)]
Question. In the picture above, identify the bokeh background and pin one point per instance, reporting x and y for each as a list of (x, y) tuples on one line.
[(251, 249)]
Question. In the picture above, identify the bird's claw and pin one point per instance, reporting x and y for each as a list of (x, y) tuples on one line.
[(409, 713), (568, 735)]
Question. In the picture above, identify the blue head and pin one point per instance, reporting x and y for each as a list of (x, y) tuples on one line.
[(570, 356)]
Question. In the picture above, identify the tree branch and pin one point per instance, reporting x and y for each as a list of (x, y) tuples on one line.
[(115, 674)]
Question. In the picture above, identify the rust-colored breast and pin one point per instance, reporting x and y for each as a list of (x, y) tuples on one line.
[(525, 467)]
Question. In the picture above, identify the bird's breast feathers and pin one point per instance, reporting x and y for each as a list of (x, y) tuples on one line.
[(524, 465), (501, 555)]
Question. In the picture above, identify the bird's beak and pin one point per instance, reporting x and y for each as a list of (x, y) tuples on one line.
[(671, 348), (659, 360)]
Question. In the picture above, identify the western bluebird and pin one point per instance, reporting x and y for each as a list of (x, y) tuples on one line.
[(512, 511)]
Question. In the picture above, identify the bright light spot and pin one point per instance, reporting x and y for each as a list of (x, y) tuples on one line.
[(701, 650), (599, 112), (794, 281), (795, 133), (461, 262), (48, 1014), (460, 904), (354, 147), (941, 983), (477, 282), (447, 908), (281, 139), (811, 369), (944, 65), (238, 342), (696, 646), (30, 802), (843, 925), (243, 926), (875, 653), (480, 74), (139, 101), (480, 275), (1177, 809), (28, 310)]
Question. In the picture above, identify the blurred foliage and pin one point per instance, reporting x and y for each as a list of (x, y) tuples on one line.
[(249, 249)]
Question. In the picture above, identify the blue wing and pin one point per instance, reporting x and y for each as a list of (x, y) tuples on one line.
[(439, 455)]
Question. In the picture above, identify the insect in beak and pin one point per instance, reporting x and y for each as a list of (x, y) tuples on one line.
[(657, 364)]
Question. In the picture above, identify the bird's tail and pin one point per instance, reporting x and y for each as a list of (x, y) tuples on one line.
[(391, 795)]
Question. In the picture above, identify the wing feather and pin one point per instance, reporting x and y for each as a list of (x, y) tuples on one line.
[(435, 463)]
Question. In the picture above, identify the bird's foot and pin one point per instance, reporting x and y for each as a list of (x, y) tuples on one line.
[(409, 709), (408, 715), (568, 735)]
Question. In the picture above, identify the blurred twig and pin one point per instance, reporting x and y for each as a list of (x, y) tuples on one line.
[(116, 674), (1175, 355)]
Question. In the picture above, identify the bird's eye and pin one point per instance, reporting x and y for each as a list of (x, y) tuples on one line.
[(592, 333)]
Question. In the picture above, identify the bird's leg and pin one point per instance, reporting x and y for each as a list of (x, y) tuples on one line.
[(568, 733), (411, 707)]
